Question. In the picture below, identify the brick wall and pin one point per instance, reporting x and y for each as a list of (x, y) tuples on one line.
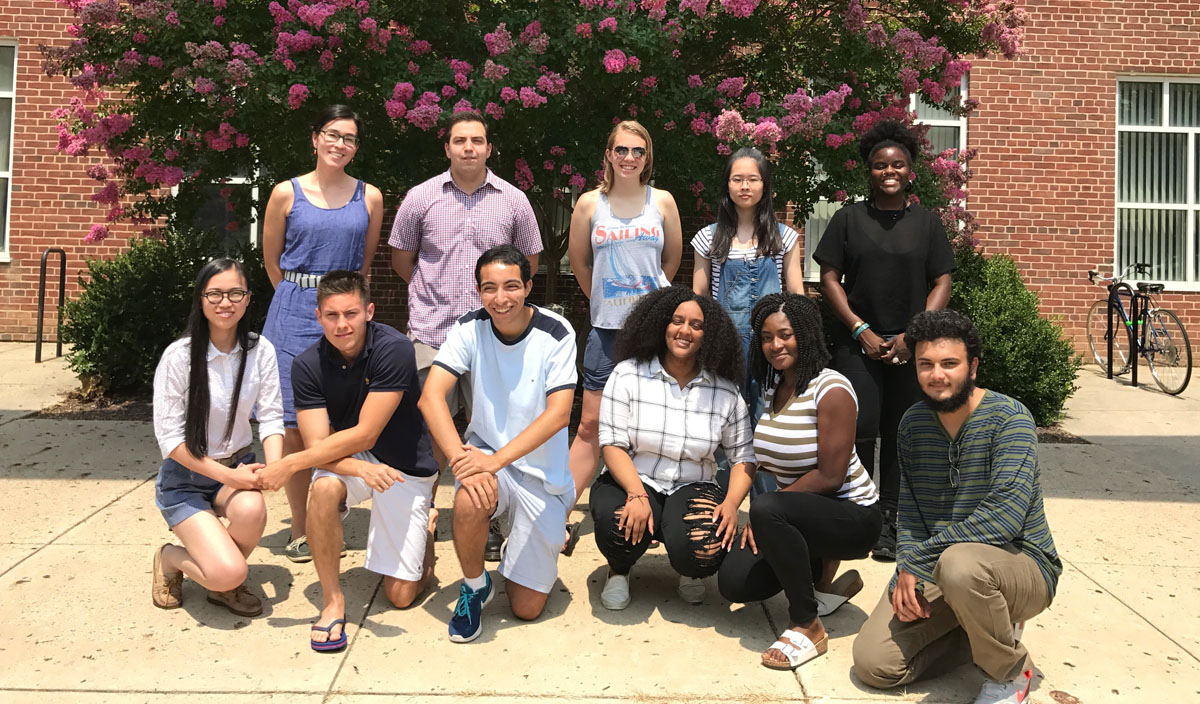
[(50, 193), (1045, 178)]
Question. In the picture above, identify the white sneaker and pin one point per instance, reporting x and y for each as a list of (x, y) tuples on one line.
[(615, 595), (1011, 692), (691, 590)]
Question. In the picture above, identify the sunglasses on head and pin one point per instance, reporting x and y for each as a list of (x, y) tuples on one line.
[(623, 151)]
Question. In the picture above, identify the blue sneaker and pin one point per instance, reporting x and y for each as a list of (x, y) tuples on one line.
[(465, 624)]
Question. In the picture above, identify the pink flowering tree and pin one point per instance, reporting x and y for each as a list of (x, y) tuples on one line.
[(179, 92)]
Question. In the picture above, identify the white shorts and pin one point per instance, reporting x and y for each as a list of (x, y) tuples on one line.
[(539, 526), (399, 520)]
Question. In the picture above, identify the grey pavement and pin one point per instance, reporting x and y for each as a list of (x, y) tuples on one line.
[(75, 572)]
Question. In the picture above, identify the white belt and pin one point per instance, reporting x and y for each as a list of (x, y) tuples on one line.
[(302, 280)]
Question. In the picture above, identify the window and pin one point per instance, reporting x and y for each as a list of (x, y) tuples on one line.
[(204, 207), (8, 86), (1158, 179), (946, 131)]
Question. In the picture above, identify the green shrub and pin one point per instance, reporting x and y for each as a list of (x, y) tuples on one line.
[(133, 305), (1024, 355)]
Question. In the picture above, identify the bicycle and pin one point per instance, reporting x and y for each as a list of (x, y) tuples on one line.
[(1161, 339)]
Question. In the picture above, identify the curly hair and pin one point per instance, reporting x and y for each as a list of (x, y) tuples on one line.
[(888, 134), (644, 335), (804, 316), (931, 325)]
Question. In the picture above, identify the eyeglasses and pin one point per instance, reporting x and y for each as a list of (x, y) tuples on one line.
[(623, 151), (333, 137), (751, 180), (953, 455), (235, 295)]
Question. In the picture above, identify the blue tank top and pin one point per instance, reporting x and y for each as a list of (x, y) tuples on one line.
[(318, 240), (626, 260)]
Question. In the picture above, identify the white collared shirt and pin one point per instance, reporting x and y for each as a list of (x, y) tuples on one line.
[(260, 387), (672, 433)]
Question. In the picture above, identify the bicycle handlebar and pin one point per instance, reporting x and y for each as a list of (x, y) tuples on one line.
[(1138, 268)]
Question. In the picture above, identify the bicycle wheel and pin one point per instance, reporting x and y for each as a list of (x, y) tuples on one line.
[(1097, 335), (1168, 351)]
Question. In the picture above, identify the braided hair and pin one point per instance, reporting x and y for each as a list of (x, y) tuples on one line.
[(644, 335), (805, 318)]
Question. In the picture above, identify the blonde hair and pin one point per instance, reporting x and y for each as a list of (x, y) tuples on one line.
[(633, 127)]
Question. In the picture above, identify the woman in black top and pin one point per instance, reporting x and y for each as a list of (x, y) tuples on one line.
[(883, 261)]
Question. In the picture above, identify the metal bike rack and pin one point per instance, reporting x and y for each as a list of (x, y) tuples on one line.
[(62, 294), (1133, 319)]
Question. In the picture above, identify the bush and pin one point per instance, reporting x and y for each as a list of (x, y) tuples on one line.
[(137, 303), (1024, 355)]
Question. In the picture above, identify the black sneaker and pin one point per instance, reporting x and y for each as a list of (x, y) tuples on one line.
[(885, 547), (495, 541)]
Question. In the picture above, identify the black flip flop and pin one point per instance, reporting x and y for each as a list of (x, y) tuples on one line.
[(572, 538)]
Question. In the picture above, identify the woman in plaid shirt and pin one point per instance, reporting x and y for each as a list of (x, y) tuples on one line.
[(671, 400)]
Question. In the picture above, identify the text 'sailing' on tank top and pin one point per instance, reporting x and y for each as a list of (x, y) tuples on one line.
[(626, 260)]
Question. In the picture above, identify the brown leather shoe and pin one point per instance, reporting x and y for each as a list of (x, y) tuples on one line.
[(166, 592), (239, 600)]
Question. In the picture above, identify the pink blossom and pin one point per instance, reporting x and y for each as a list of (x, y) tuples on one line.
[(566, 170), (219, 4), (96, 234), (549, 165), (694, 81), (909, 79), (413, 68), (494, 71), (459, 66), (172, 19), (696, 188), (108, 194), (449, 91), (649, 82), (326, 60), (155, 61), (524, 175), (367, 25), (609, 23), (723, 149), (700, 7), (877, 36), (402, 91), (139, 37), (732, 87), (508, 94), (205, 86), (551, 83), (424, 115), (656, 9), (461, 80), (463, 105), (669, 125), (635, 64), (699, 126), (97, 171), (855, 18), (499, 41), (689, 109), (740, 8), (730, 127), (242, 141), (297, 94), (420, 47), (530, 98), (557, 151), (219, 21), (753, 100), (840, 196), (850, 165), (614, 61), (577, 181), (395, 109), (493, 111), (584, 29), (348, 91)]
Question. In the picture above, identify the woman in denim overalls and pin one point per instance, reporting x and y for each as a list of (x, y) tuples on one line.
[(747, 253)]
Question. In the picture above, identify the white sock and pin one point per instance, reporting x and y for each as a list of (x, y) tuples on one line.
[(476, 583)]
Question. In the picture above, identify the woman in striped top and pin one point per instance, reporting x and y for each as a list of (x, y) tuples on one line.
[(826, 508)]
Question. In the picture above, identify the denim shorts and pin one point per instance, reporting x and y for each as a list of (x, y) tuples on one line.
[(598, 358), (180, 493)]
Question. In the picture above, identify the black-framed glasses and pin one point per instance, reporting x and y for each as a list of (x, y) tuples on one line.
[(953, 455), (235, 295), (333, 137), (624, 151)]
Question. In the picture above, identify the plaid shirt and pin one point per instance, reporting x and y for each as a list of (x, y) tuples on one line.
[(672, 433), (449, 229)]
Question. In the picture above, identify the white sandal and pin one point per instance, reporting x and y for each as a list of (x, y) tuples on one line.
[(799, 651)]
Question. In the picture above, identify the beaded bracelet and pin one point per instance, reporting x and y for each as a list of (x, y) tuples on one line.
[(631, 497)]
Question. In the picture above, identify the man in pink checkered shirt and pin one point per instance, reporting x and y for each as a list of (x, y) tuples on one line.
[(442, 227)]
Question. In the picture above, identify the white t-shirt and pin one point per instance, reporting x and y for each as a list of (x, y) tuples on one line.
[(509, 385)]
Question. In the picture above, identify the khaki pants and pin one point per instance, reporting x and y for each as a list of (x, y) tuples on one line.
[(459, 395), (980, 592)]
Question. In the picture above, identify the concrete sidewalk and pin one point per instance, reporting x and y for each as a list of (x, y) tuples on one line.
[(75, 563)]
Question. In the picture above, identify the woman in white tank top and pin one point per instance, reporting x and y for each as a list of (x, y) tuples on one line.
[(625, 242)]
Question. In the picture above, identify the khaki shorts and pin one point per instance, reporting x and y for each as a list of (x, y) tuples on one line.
[(459, 395)]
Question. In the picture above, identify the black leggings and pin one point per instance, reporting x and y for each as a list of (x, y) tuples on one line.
[(795, 531), (682, 521), (885, 392)]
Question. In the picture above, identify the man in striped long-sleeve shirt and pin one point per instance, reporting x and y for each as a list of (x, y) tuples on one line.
[(975, 556)]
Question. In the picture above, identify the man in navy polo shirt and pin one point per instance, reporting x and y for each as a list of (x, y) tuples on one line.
[(521, 359), (356, 394)]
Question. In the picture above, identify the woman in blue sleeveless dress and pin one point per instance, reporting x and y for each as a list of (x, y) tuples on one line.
[(315, 223)]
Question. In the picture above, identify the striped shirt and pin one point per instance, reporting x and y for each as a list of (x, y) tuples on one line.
[(449, 229), (702, 243), (998, 499), (669, 432), (785, 443)]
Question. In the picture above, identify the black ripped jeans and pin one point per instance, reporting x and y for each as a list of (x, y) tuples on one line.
[(682, 521)]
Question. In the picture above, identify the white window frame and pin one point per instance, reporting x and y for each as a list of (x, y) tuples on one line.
[(1190, 206), (5, 255), (812, 270)]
